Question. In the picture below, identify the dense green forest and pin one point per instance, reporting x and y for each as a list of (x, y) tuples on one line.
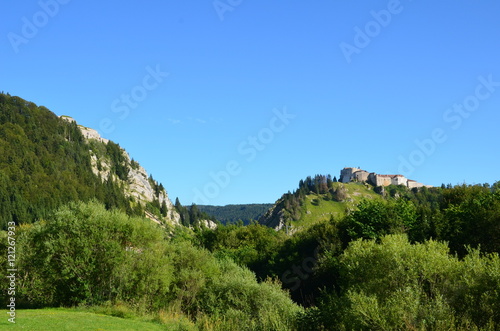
[(45, 163), (234, 213)]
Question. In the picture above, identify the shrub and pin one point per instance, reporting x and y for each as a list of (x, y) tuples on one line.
[(398, 286), (87, 255), (236, 294)]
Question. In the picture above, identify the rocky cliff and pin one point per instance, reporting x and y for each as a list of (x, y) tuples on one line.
[(138, 184), (274, 217)]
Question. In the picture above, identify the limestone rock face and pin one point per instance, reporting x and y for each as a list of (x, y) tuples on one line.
[(140, 188), (209, 224), (274, 217), (89, 133), (137, 184)]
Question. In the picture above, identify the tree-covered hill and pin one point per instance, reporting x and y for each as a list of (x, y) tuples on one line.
[(233, 213), (317, 198), (46, 162)]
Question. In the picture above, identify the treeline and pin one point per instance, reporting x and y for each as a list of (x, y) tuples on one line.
[(463, 215), (231, 214), (45, 163), (192, 215)]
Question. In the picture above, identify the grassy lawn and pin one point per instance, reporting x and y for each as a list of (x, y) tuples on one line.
[(68, 319), (318, 209)]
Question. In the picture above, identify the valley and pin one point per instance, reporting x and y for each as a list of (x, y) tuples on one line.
[(100, 244)]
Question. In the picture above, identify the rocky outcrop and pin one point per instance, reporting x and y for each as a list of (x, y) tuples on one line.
[(209, 224), (89, 133), (140, 188), (138, 185), (274, 217)]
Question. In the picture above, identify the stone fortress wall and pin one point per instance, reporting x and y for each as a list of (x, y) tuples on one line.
[(350, 174)]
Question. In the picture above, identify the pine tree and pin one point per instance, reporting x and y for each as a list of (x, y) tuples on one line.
[(329, 181), (163, 209)]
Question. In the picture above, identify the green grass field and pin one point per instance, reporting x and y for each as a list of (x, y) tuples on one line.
[(318, 209), (68, 319)]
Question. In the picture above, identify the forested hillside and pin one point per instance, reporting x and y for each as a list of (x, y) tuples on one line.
[(233, 213), (46, 162)]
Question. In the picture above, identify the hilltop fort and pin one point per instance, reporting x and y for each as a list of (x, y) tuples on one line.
[(358, 175)]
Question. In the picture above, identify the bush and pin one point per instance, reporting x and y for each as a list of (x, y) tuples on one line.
[(255, 306), (478, 289), (219, 292), (374, 219), (395, 285), (87, 255)]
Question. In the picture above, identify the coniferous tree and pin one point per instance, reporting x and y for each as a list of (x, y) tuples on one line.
[(329, 181), (163, 209)]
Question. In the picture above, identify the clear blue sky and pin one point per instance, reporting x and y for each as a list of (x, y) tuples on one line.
[(363, 82)]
